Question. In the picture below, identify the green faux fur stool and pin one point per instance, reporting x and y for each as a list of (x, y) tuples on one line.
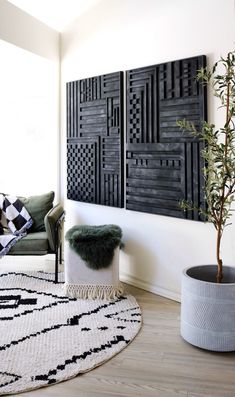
[(92, 262)]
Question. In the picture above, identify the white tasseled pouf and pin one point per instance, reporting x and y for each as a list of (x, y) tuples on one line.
[(86, 283)]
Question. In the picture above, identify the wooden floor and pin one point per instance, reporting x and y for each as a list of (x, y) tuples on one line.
[(157, 363)]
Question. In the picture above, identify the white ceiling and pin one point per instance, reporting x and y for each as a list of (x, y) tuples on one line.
[(55, 13)]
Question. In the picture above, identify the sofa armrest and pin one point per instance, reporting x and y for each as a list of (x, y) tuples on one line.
[(53, 224)]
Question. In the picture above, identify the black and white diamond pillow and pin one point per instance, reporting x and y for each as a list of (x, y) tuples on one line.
[(18, 218), (6, 242)]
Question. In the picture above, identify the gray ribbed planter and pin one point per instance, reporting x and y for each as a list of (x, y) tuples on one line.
[(208, 308)]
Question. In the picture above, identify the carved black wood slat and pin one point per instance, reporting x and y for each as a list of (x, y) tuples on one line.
[(164, 164), (95, 140)]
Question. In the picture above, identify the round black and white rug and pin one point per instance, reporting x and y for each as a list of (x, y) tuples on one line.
[(46, 337)]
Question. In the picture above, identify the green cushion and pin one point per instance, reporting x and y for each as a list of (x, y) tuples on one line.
[(38, 207), (32, 244)]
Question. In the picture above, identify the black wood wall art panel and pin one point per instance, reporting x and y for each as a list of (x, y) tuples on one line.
[(164, 164), (95, 140)]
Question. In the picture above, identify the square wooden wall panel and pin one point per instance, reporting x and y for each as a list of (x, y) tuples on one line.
[(95, 140), (164, 164)]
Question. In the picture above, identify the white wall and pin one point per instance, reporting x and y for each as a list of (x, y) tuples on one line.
[(123, 34), (29, 103), (24, 31)]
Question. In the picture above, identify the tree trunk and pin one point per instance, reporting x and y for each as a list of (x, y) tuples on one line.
[(219, 275)]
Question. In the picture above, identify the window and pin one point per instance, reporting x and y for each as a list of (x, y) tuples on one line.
[(28, 122)]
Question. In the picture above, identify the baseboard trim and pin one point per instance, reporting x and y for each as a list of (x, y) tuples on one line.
[(136, 282)]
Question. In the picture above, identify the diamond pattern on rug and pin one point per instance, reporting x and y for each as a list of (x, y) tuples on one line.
[(47, 337)]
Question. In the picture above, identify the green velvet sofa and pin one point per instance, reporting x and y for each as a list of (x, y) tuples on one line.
[(46, 234)]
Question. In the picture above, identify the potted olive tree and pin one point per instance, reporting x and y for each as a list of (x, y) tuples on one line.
[(208, 291)]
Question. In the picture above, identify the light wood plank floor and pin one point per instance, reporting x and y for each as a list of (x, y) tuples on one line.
[(157, 363)]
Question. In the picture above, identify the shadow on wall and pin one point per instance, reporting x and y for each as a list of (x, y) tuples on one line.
[(72, 221), (135, 260)]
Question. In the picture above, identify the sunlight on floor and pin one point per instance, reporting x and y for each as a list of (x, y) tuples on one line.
[(20, 263)]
